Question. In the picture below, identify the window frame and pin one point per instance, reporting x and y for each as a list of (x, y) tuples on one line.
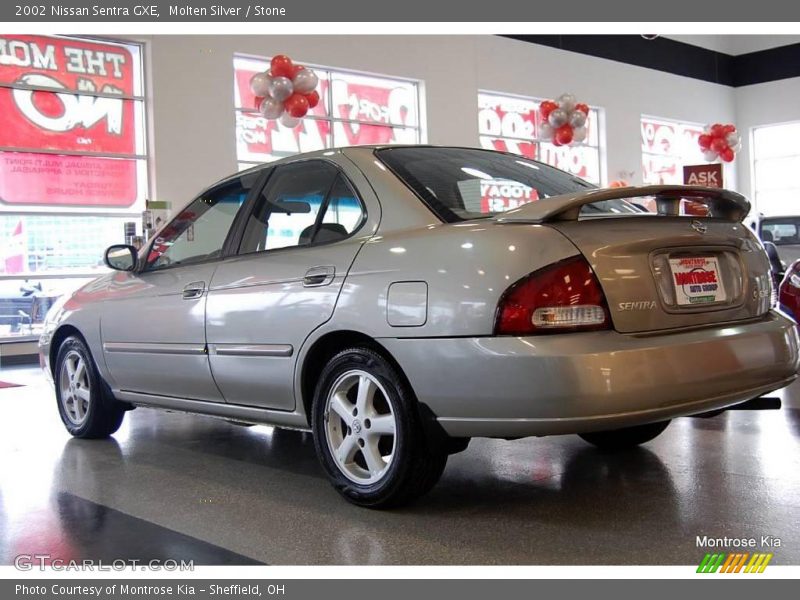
[(419, 86), (141, 72), (272, 167), (599, 126), (754, 193), (679, 159)]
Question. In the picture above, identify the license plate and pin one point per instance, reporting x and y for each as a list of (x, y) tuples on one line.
[(697, 280)]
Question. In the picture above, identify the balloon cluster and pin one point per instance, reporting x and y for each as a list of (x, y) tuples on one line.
[(720, 141), (564, 120), (286, 91)]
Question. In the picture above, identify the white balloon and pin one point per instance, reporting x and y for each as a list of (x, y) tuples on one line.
[(578, 134), (546, 131), (305, 81), (577, 119), (733, 139), (558, 117), (289, 121), (567, 102), (281, 88), (271, 108), (709, 155), (259, 84)]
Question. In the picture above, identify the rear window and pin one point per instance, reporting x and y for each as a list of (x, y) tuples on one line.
[(460, 183), (781, 232)]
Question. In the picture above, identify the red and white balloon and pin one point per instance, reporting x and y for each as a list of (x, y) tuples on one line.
[(720, 141), (563, 120), (286, 92)]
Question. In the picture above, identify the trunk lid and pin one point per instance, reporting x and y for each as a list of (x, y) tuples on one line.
[(664, 271)]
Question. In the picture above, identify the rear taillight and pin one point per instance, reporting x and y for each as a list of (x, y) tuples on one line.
[(565, 296)]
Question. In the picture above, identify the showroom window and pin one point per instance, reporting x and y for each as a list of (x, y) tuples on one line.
[(666, 147), (776, 162), (511, 124), (73, 166), (355, 109)]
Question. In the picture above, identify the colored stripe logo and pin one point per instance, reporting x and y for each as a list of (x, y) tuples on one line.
[(734, 563)]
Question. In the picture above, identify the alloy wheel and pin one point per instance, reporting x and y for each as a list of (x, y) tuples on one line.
[(75, 388), (360, 427)]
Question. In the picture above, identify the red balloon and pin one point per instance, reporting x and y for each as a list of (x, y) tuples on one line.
[(730, 128), (718, 145), (281, 66), (257, 101), (564, 135), (546, 107), (295, 70), (717, 130), (313, 98), (726, 154), (584, 108), (296, 105), (705, 141)]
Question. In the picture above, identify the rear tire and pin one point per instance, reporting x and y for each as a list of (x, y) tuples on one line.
[(628, 437), (86, 408), (368, 434)]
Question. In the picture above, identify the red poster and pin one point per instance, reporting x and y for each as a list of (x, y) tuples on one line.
[(64, 120), (67, 180)]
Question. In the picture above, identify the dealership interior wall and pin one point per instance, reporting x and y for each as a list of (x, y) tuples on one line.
[(193, 140)]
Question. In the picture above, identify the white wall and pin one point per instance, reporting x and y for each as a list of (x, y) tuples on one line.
[(191, 90), (763, 104)]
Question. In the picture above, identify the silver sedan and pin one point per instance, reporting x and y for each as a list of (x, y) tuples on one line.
[(398, 301)]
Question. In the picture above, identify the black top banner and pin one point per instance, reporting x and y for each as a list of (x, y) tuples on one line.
[(396, 11)]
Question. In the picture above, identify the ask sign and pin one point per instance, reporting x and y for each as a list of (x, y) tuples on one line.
[(705, 175)]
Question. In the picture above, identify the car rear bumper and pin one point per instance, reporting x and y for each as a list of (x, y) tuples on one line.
[(576, 382)]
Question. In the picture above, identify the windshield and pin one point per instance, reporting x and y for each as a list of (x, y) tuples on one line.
[(461, 183), (783, 231)]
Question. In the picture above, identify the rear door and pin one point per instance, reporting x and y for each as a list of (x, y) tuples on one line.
[(296, 249)]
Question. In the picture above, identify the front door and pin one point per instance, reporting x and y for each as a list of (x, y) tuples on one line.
[(295, 252), (153, 323)]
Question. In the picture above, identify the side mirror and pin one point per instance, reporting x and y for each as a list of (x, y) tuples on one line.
[(121, 257)]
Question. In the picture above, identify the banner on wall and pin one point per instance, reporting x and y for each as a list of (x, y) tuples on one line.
[(666, 145), (354, 110), (511, 124), (52, 108)]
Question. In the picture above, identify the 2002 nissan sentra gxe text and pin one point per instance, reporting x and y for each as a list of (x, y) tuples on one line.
[(397, 303)]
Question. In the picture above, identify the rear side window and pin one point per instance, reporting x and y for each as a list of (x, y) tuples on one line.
[(463, 183), (303, 203), (781, 232)]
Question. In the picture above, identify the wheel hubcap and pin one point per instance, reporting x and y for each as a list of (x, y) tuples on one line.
[(360, 427), (74, 387)]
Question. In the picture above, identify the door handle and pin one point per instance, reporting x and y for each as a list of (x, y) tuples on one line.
[(194, 290), (318, 276)]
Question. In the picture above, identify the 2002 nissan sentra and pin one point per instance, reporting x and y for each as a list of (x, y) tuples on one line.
[(399, 301)]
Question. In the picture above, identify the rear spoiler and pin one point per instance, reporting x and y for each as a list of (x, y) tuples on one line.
[(722, 204)]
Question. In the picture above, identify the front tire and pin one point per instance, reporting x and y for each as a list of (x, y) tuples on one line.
[(368, 435), (628, 437), (86, 409)]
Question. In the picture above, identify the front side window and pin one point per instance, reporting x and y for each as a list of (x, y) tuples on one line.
[(303, 203), (460, 183), (199, 231)]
